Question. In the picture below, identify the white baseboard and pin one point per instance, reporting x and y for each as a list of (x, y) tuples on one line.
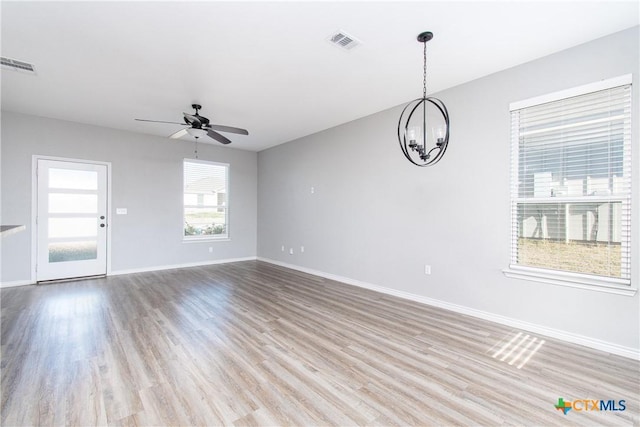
[(15, 283), (174, 266), (144, 269), (597, 344)]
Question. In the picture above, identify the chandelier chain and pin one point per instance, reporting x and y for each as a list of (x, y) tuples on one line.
[(424, 74)]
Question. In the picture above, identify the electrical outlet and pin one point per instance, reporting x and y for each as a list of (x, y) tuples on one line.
[(210, 249), (290, 251), (282, 249), (301, 249), (427, 269), (313, 190)]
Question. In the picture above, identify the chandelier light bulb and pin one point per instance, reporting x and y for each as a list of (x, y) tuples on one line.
[(414, 135)]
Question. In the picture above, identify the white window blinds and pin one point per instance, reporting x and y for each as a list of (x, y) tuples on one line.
[(205, 199), (571, 182)]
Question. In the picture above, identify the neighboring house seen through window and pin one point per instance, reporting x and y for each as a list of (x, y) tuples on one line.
[(571, 184), (206, 192)]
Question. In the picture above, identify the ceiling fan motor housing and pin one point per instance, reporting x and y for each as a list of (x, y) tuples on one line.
[(196, 120)]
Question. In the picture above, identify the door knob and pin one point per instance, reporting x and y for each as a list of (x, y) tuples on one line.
[(101, 225), (102, 217)]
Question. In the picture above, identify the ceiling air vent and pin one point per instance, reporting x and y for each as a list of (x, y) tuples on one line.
[(344, 40), (14, 64)]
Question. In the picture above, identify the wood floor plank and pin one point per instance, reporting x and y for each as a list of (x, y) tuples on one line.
[(253, 344)]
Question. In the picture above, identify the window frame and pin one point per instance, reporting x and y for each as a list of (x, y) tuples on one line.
[(621, 286), (207, 237)]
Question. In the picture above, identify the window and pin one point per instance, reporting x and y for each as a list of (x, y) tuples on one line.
[(206, 195), (571, 185)]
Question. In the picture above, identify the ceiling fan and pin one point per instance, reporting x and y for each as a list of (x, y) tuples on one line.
[(199, 126)]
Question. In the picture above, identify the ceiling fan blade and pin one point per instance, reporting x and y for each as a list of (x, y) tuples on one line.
[(229, 129), (193, 120), (158, 121), (215, 135), (179, 134)]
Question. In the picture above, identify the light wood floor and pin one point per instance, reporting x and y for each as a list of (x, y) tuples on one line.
[(254, 344)]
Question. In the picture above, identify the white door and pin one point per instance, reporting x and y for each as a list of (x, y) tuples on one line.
[(71, 220)]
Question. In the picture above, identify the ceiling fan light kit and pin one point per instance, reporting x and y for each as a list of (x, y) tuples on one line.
[(196, 132), (423, 128)]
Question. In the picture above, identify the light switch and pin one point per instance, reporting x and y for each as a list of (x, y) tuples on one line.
[(121, 211)]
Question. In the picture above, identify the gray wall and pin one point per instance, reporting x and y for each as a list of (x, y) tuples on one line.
[(372, 217), (146, 179), (375, 218)]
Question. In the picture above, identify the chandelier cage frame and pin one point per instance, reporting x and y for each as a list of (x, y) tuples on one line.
[(428, 156)]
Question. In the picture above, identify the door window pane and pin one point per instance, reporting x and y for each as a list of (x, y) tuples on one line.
[(73, 251), (73, 179), (73, 227), (73, 203)]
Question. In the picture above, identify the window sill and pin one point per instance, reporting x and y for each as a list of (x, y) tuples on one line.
[(573, 280), (205, 239)]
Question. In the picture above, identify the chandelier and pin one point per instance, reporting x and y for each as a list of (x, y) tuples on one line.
[(423, 128)]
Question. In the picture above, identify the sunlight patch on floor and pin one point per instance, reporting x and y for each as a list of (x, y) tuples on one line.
[(518, 350)]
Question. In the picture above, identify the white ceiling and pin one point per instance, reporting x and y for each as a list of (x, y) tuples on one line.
[(267, 66)]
